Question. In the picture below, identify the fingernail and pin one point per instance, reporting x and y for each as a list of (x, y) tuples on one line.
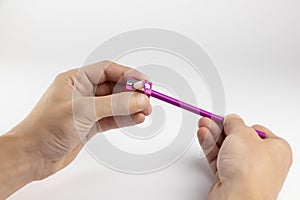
[(142, 101)]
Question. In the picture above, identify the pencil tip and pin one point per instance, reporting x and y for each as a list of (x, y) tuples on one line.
[(138, 85)]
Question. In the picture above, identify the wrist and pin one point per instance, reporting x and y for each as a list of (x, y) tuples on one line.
[(18, 164), (247, 189), (23, 150)]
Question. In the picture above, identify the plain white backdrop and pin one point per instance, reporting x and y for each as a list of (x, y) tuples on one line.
[(254, 44)]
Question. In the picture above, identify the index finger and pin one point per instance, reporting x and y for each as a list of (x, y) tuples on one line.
[(104, 71)]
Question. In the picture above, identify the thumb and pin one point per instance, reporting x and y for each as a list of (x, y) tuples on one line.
[(232, 123), (124, 103)]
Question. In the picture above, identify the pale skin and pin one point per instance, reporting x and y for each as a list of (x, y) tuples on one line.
[(52, 135), (245, 166), (83, 102)]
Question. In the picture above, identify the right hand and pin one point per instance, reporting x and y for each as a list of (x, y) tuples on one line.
[(245, 166)]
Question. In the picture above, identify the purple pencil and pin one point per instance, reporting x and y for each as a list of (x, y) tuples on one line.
[(146, 87)]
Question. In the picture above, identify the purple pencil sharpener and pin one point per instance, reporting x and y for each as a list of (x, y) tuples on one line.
[(145, 87)]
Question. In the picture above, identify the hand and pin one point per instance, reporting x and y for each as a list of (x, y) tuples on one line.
[(245, 166), (77, 105)]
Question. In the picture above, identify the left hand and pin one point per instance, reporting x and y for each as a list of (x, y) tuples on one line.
[(77, 105)]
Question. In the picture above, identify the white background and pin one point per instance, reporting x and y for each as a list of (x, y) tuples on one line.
[(254, 44)]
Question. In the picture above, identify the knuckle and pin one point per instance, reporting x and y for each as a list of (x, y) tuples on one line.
[(287, 149), (256, 126), (283, 150), (227, 121), (232, 116), (116, 104), (202, 122), (67, 74), (105, 63), (60, 75)]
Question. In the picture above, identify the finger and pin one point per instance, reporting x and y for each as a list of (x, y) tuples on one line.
[(268, 133), (209, 147), (105, 88), (123, 103), (232, 123), (147, 111), (120, 121), (212, 125), (214, 128), (108, 88), (109, 71)]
